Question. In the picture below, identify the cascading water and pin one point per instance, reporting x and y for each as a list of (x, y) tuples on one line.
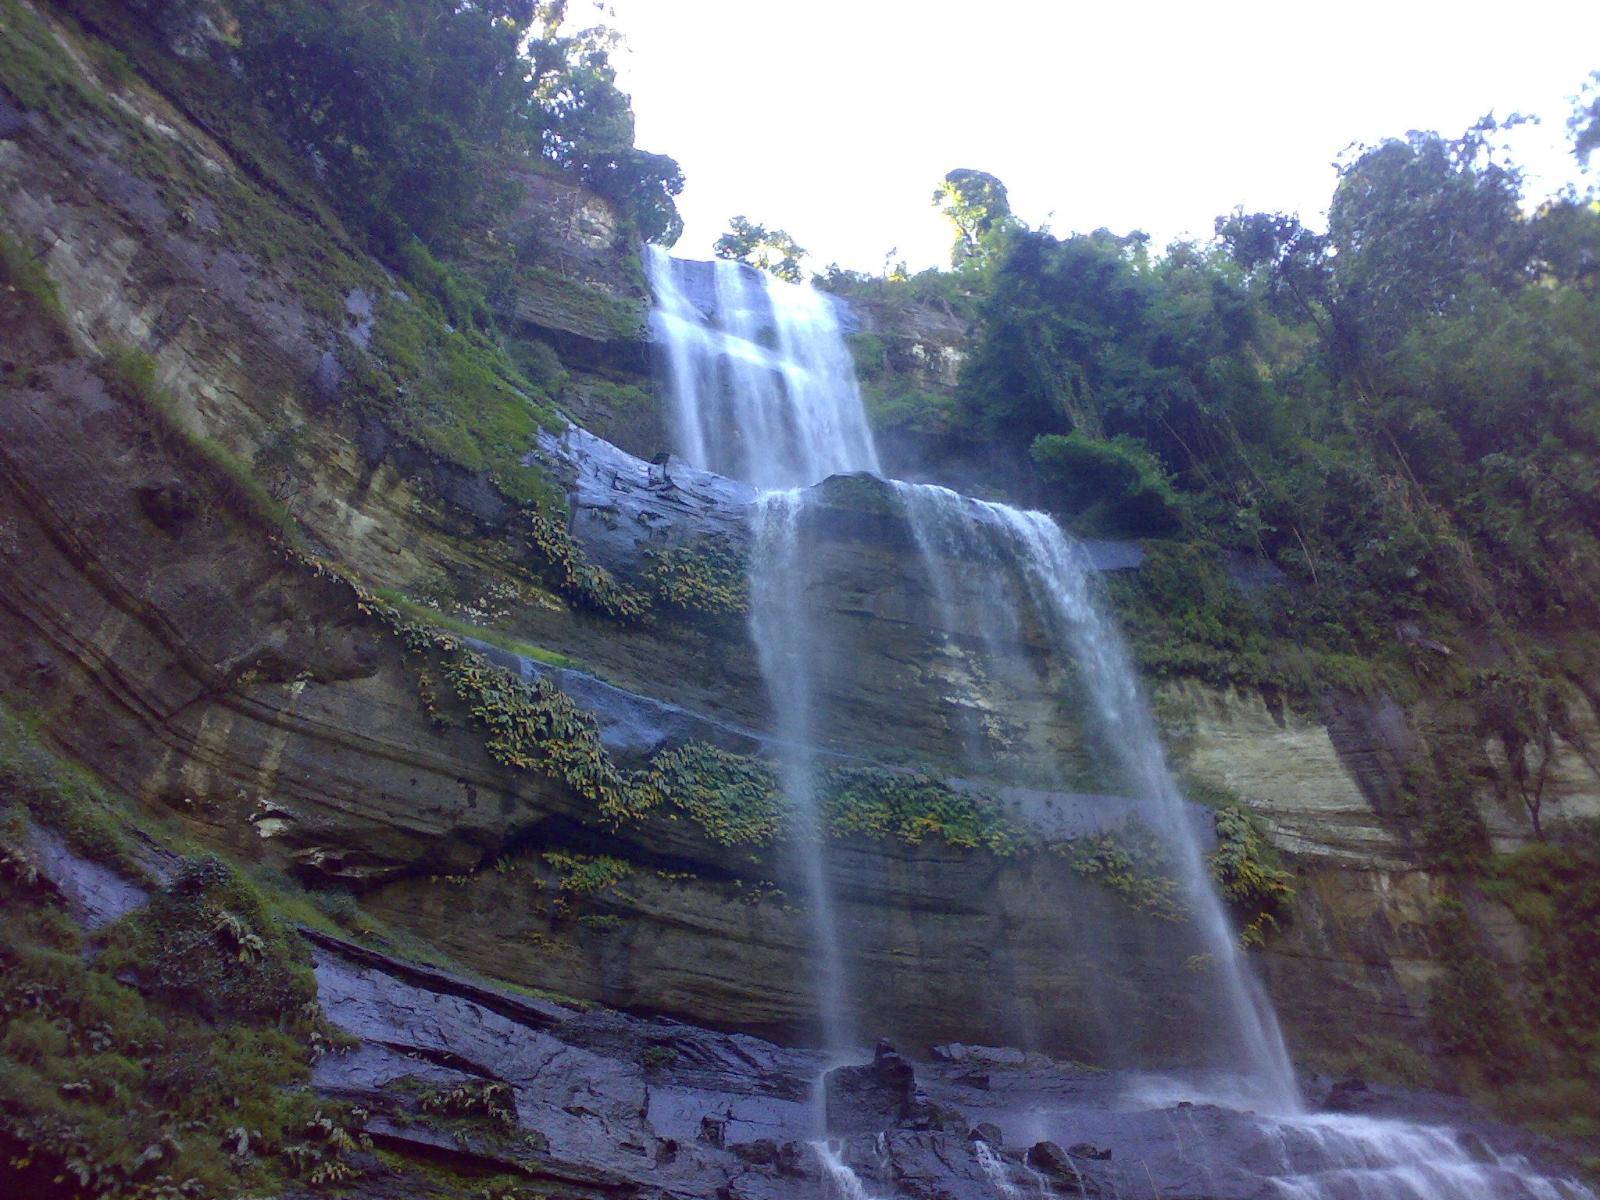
[(763, 391), (1056, 578), (781, 629), (995, 1171), (763, 386)]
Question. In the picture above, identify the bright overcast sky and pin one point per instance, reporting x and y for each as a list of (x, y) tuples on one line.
[(835, 119)]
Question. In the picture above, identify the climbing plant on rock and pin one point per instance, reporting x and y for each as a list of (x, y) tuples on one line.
[(1256, 887), (707, 576)]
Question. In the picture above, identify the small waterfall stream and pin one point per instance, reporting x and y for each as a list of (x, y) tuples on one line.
[(781, 628), (764, 391)]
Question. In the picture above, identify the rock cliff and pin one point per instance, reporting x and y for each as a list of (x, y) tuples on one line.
[(210, 534)]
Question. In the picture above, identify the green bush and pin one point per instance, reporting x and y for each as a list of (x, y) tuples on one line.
[(1114, 487)]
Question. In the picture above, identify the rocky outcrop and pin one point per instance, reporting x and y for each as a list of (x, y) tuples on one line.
[(169, 643)]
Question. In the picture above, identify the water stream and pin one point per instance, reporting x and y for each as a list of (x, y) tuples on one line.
[(764, 388), (991, 542), (764, 391)]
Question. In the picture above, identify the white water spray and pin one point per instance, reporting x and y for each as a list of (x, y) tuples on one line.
[(840, 1182), (1339, 1157), (763, 386), (996, 539), (995, 1171), (780, 626)]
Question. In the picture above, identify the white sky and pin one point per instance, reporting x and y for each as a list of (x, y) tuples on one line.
[(836, 119)]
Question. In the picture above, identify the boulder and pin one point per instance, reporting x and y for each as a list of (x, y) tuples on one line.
[(883, 1094)]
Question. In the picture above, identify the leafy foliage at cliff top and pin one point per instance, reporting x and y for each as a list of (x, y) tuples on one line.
[(1365, 460), (407, 106)]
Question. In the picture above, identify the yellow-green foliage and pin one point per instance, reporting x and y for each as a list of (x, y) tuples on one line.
[(734, 798), (706, 576), (576, 576), (428, 614), (914, 808), (585, 874), (535, 726), (491, 1102), (1257, 889), (1132, 864)]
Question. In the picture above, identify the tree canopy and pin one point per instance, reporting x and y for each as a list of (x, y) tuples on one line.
[(976, 203), (405, 107), (771, 250)]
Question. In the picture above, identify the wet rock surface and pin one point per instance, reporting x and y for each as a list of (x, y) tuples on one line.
[(461, 1075), (607, 1104)]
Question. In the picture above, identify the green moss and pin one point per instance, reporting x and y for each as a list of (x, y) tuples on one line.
[(894, 405), (35, 70), (268, 207), (453, 392), (207, 943), (55, 794), (1114, 487), (591, 308), (539, 363), (23, 274), (870, 354), (1469, 1008), (428, 614), (1554, 890), (860, 493), (1373, 1057), (130, 375), (191, 1084), (1185, 618)]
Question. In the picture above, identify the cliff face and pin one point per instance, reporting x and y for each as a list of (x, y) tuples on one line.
[(209, 669)]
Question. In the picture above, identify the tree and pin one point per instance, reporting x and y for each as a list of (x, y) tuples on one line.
[(977, 205), (768, 249), (1584, 123), (406, 108), (1411, 223), (1289, 261)]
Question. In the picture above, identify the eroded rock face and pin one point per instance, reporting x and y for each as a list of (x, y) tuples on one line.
[(169, 645)]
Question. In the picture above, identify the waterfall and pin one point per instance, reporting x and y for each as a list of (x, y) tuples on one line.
[(781, 629), (763, 386), (1056, 582), (763, 391), (995, 1171), (841, 1182), (1334, 1156)]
